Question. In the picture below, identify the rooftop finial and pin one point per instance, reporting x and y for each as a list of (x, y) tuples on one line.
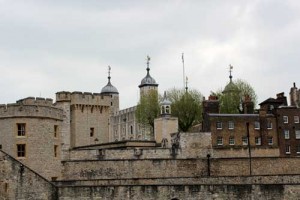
[(109, 68), (148, 62), (230, 70)]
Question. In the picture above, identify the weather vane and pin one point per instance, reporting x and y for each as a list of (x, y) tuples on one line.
[(148, 60), (109, 68)]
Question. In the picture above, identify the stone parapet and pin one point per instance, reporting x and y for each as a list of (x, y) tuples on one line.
[(28, 108)]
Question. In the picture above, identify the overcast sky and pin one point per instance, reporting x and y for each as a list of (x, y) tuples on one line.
[(49, 46)]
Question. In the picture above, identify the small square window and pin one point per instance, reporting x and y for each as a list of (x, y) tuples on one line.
[(286, 134), (288, 149), (270, 141), (296, 119), (245, 140), (230, 125), (297, 133), (269, 125), (257, 140), (231, 141), (256, 125), (219, 141), (21, 150), (21, 129), (285, 119), (219, 125)]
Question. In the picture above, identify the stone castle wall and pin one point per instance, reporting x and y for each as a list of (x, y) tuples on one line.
[(251, 187), (165, 168), (19, 182)]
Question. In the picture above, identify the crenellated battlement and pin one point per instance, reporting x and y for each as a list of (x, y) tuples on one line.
[(36, 101), (31, 107), (83, 98)]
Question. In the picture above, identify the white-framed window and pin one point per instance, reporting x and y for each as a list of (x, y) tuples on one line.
[(219, 125), (21, 129), (288, 149), (245, 140), (219, 141), (269, 125), (230, 125), (256, 125), (257, 140), (231, 140), (297, 134), (296, 119), (286, 134), (298, 149), (285, 119), (270, 140)]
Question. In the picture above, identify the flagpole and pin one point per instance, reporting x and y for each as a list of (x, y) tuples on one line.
[(183, 71)]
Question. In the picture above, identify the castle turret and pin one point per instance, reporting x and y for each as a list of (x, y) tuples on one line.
[(148, 83), (109, 89), (165, 106), (165, 125)]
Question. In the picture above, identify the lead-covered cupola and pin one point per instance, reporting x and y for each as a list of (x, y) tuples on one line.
[(109, 88), (148, 83)]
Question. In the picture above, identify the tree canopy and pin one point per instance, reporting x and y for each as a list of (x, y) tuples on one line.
[(186, 106), (231, 97), (148, 109)]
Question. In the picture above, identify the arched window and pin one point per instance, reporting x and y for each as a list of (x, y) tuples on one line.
[(167, 109)]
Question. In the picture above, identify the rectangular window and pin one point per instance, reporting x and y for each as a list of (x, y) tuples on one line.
[(285, 119), (257, 140), (297, 133), (21, 150), (296, 119), (55, 150), (245, 140), (219, 125), (298, 149), (92, 132), (286, 134), (231, 141), (21, 129), (269, 125), (256, 125), (270, 141), (0, 146), (55, 130), (288, 149), (219, 141), (230, 125)]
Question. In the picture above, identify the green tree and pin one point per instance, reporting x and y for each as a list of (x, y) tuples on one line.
[(186, 106), (232, 96), (148, 109)]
